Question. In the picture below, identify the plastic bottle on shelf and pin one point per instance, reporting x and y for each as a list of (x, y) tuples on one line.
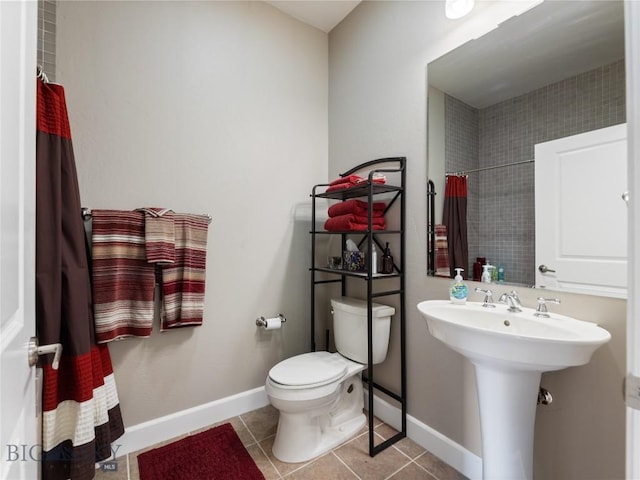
[(387, 260), (477, 268), (486, 273), (374, 260)]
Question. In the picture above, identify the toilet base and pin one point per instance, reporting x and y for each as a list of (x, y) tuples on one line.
[(312, 442), (303, 436)]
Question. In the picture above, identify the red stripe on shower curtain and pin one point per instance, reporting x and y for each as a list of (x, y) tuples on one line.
[(81, 411), (455, 218)]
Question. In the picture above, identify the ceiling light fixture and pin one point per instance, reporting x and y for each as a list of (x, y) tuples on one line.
[(458, 8)]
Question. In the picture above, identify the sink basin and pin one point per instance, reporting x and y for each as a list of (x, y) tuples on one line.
[(509, 351), (519, 341)]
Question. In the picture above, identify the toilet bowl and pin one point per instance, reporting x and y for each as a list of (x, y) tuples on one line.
[(319, 394), (319, 408)]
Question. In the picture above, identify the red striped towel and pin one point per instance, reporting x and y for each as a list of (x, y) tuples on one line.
[(183, 282), (442, 252), (357, 207), (123, 281), (159, 235), (352, 223)]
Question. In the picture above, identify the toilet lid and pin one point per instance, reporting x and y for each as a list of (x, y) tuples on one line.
[(315, 368)]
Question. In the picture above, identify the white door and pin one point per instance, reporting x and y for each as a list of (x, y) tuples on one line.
[(581, 216), (18, 426), (632, 47)]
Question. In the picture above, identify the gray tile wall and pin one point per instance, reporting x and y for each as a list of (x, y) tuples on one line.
[(461, 150), (47, 37), (507, 133)]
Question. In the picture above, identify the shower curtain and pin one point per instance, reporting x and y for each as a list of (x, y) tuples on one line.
[(455, 218), (81, 412)]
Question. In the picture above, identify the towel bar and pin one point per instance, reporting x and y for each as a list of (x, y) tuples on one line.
[(86, 214)]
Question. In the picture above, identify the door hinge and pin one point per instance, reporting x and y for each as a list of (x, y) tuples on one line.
[(632, 391)]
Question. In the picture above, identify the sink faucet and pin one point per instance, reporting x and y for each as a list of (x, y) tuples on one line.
[(512, 299)]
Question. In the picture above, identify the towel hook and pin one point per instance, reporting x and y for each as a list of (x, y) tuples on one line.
[(41, 75)]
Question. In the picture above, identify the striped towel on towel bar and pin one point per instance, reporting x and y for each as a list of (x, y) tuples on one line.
[(183, 282), (123, 280)]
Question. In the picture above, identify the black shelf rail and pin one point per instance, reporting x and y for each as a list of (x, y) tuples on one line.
[(370, 237), (431, 228)]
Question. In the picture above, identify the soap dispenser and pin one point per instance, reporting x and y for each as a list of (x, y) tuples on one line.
[(459, 290), (486, 274)]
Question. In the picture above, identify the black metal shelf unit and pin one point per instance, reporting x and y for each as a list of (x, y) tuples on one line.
[(321, 275)]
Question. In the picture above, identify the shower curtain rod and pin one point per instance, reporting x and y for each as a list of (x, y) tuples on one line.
[(86, 214), (464, 172)]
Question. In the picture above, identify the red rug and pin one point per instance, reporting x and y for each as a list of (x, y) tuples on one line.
[(216, 454)]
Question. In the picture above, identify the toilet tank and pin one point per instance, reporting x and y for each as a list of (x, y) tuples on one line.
[(350, 328)]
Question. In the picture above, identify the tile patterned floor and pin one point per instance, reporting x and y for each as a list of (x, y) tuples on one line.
[(405, 460)]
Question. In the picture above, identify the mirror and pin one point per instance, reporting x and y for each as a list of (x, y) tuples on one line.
[(556, 70)]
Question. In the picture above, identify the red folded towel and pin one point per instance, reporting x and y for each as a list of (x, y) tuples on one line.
[(363, 220), (351, 181), (357, 207), (352, 223), (348, 179)]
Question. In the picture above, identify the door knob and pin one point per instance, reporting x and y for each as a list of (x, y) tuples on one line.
[(35, 351), (545, 269)]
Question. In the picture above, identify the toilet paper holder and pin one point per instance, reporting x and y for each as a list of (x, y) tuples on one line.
[(262, 322)]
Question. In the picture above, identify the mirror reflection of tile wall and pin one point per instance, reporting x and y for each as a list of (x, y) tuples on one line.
[(47, 37), (501, 203)]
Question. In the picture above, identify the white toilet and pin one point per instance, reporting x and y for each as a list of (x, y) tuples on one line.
[(319, 394)]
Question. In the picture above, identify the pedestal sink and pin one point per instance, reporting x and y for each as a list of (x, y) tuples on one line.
[(509, 352)]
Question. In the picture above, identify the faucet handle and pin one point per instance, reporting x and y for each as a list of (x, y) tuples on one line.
[(542, 310), (488, 297)]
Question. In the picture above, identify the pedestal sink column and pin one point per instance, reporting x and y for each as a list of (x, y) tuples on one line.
[(507, 401), (509, 352)]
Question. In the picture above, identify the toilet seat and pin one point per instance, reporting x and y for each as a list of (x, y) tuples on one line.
[(309, 370)]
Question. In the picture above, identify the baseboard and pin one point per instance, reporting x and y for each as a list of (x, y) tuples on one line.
[(149, 433), (441, 446)]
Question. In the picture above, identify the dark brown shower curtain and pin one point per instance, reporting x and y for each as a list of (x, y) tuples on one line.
[(81, 412), (455, 218)]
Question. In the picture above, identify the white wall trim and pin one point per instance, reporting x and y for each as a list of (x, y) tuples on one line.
[(466, 462), (159, 429)]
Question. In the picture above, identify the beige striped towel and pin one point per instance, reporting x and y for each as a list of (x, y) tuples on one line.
[(183, 283), (159, 235)]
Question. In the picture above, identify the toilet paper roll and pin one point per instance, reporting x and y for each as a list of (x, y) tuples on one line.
[(273, 323)]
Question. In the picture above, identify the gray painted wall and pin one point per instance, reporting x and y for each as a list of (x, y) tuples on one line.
[(377, 107), (203, 107)]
